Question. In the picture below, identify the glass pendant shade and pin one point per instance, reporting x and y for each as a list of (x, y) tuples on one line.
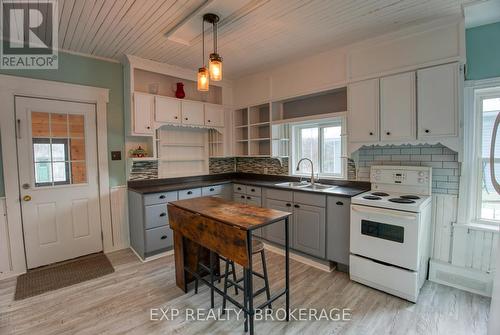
[(203, 79), (215, 67)]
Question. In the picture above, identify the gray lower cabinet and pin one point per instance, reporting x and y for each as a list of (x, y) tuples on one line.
[(276, 231), (338, 229), (309, 224), (150, 232)]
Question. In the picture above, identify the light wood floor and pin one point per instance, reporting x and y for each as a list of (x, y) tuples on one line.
[(120, 303)]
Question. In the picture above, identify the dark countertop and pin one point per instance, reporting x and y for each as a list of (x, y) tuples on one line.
[(344, 188)]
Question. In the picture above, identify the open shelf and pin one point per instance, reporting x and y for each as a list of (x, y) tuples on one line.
[(259, 114), (215, 143), (241, 117)]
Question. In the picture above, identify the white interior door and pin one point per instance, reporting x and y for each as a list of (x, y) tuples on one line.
[(58, 178)]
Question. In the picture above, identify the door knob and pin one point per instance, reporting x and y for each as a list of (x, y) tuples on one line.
[(27, 198)]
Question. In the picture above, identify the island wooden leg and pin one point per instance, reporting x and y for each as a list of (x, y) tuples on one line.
[(180, 273), (250, 282), (287, 272)]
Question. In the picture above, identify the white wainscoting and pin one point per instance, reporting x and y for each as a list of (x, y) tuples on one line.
[(444, 215), (463, 256), (119, 217), (5, 266)]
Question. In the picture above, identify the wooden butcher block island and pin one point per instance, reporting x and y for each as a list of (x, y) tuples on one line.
[(209, 228)]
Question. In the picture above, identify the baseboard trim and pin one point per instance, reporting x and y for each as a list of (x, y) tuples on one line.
[(326, 266), (466, 279), (154, 257)]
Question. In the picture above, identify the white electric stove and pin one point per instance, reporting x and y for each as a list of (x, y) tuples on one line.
[(390, 230)]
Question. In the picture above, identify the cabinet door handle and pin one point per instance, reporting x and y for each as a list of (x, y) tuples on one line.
[(340, 203), (164, 237), (148, 127), (163, 214), (212, 189), (288, 205), (189, 192), (388, 133), (427, 131), (208, 120), (371, 133), (175, 117), (186, 118), (162, 197), (296, 206)]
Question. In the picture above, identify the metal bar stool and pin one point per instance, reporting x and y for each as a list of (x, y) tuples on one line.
[(257, 247)]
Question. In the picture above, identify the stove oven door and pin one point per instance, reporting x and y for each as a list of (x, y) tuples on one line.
[(385, 235)]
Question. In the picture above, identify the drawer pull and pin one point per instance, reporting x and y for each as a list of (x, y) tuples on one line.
[(296, 206), (340, 203), (190, 192), (242, 197), (163, 214), (249, 198), (288, 205), (162, 197), (239, 188), (212, 189), (253, 190), (164, 237)]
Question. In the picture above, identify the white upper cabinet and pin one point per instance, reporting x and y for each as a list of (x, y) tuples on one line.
[(144, 105), (437, 91), (192, 113), (398, 107), (214, 115), (363, 111), (167, 110)]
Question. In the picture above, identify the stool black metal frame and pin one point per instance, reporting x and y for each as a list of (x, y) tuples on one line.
[(248, 307)]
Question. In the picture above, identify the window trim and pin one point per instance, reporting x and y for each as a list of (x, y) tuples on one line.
[(469, 204), (321, 123)]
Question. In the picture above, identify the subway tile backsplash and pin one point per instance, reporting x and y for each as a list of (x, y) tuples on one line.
[(444, 163)]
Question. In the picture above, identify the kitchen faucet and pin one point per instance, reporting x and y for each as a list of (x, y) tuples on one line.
[(312, 168)]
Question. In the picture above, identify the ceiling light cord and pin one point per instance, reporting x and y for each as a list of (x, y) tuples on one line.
[(203, 42)]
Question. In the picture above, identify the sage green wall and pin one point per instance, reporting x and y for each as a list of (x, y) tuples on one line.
[(483, 51), (90, 72)]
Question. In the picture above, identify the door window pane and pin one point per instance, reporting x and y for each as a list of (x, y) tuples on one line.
[(58, 149), (78, 172), (58, 125), (41, 152), (40, 124)]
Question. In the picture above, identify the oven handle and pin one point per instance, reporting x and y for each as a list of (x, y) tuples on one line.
[(382, 211)]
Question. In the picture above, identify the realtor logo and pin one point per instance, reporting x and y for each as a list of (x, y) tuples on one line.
[(29, 34)]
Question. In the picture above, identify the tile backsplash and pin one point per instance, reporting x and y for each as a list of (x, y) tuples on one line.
[(262, 165), (444, 163), (144, 170), (222, 165)]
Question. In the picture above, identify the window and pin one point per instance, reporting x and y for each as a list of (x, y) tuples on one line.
[(323, 143), (58, 148), (488, 206)]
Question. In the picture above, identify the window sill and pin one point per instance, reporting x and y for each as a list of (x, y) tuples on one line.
[(489, 227)]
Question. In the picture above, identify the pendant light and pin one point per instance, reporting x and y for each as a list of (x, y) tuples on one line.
[(215, 60), (203, 75)]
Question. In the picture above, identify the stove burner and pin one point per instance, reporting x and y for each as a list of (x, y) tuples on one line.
[(371, 197), (402, 201), (413, 197), (380, 194)]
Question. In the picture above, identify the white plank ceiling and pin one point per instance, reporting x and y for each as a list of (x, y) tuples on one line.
[(271, 32)]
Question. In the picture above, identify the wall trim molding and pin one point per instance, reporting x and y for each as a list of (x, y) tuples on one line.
[(12, 86)]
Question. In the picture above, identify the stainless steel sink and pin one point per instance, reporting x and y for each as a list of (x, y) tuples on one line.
[(293, 184), (318, 187)]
